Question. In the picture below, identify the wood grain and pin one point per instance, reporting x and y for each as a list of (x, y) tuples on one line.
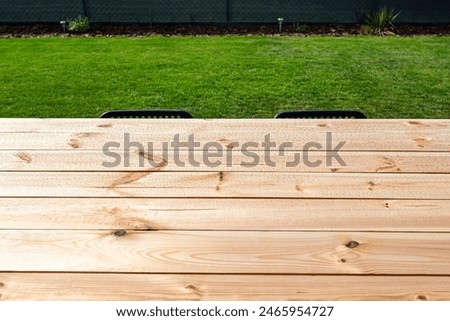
[(376, 229), (225, 252), (221, 184), (70, 134), (354, 162), (351, 141), (66, 125), (225, 214), (146, 287)]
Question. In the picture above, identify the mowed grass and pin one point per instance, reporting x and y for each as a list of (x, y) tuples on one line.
[(226, 77)]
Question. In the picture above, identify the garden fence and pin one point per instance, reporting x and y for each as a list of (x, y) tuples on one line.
[(219, 11)]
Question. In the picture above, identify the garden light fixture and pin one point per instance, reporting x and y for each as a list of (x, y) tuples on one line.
[(63, 25), (280, 24)]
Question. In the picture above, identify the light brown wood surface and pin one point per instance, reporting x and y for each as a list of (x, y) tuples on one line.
[(375, 229), (48, 125), (354, 162), (226, 252), (365, 141), (221, 184), (370, 135), (382, 215), (135, 287)]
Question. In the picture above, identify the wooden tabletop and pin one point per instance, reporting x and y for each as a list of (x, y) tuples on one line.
[(344, 210)]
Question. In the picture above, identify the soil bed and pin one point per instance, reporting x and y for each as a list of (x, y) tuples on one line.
[(48, 30)]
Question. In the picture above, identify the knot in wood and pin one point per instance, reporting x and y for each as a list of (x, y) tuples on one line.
[(120, 233), (352, 244)]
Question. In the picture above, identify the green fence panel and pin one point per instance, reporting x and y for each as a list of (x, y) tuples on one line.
[(421, 11), (219, 11), (158, 11), (306, 11), (25, 11)]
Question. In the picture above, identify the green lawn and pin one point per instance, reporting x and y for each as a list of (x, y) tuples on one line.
[(226, 77)]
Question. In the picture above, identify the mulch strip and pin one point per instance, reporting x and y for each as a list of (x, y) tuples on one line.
[(134, 30)]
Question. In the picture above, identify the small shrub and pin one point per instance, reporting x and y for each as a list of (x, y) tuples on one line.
[(79, 25), (378, 21), (300, 28)]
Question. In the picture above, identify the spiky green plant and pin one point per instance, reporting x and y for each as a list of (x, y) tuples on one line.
[(379, 20), (300, 28)]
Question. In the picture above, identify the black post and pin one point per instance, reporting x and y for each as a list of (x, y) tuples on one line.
[(227, 10), (85, 8), (150, 11)]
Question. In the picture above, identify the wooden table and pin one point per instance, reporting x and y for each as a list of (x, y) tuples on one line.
[(73, 229)]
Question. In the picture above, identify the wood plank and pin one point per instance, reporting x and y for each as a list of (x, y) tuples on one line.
[(146, 287), (424, 140), (225, 252), (67, 125), (225, 214), (354, 162), (224, 184), (94, 133)]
